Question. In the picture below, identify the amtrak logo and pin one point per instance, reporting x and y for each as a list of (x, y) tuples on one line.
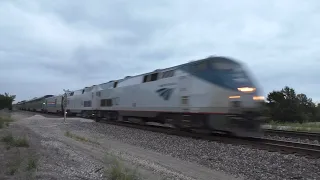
[(165, 93)]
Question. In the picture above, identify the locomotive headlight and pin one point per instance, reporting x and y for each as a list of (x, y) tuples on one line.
[(247, 89), (258, 98), (234, 97)]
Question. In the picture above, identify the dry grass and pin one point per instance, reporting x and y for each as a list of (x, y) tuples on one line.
[(5, 121), (307, 127), (16, 142), (116, 170), (79, 138)]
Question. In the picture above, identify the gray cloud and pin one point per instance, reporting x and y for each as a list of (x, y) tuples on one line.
[(46, 45)]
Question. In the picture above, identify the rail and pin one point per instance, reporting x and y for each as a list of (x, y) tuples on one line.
[(293, 134)]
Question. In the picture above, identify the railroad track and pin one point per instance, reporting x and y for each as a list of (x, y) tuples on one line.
[(293, 134), (287, 147)]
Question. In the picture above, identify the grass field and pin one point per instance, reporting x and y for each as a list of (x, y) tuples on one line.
[(309, 127)]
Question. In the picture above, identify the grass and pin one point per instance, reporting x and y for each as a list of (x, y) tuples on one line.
[(5, 121), (14, 165), (118, 171), (17, 142), (78, 138), (309, 127), (32, 164)]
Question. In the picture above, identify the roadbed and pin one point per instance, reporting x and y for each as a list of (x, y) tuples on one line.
[(56, 151)]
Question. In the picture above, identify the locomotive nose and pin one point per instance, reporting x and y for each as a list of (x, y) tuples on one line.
[(244, 102)]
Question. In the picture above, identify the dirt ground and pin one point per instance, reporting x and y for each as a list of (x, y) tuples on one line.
[(54, 152)]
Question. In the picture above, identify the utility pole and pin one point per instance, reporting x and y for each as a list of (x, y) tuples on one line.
[(65, 100)]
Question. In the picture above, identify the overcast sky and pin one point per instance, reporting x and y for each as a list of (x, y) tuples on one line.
[(48, 45)]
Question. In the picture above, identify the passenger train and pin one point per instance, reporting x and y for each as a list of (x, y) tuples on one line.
[(215, 94)]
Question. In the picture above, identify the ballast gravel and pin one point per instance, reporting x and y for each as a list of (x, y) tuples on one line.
[(69, 163), (238, 160)]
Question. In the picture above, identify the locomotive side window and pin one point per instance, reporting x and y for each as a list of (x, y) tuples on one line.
[(106, 102), (109, 102), (87, 104), (168, 74), (145, 78), (150, 77), (154, 77), (103, 102), (115, 84)]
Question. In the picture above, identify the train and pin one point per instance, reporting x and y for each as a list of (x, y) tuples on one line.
[(216, 93)]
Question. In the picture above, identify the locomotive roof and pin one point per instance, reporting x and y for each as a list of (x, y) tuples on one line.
[(213, 58)]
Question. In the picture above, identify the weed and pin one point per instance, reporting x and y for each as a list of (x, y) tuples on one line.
[(5, 121), (8, 139), (11, 141), (14, 165), (78, 138), (21, 142), (12, 170), (32, 164), (67, 133), (118, 171)]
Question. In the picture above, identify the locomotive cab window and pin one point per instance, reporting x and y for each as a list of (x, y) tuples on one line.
[(201, 66)]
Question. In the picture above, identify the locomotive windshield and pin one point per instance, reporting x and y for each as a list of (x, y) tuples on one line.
[(232, 74)]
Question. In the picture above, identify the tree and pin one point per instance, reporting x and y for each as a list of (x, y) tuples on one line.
[(287, 106), (6, 100)]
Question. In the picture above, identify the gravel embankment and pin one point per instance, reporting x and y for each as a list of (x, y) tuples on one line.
[(236, 160), (53, 158), (308, 141)]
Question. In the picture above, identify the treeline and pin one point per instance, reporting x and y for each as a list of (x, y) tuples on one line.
[(6, 101), (288, 106)]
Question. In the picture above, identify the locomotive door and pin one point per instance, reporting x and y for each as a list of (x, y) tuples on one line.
[(184, 90)]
